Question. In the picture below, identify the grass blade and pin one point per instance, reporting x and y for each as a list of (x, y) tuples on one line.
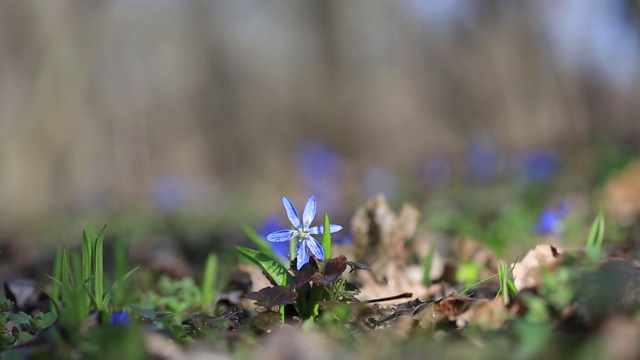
[(326, 238), (99, 268), (208, 282)]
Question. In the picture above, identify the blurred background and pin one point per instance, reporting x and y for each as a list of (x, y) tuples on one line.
[(222, 107)]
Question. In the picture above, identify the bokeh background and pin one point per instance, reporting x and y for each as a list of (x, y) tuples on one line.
[(222, 107)]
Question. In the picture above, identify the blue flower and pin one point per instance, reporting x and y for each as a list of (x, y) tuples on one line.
[(540, 165), (120, 318), (551, 221), (302, 231), (483, 159)]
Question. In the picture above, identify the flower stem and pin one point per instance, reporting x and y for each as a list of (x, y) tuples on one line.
[(292, 248)]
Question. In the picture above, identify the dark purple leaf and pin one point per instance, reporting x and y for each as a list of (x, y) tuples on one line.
[(305, 274), (332, 271), (357, 266), (273, 296)]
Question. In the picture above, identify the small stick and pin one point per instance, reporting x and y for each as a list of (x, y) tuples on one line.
[(396, 297)]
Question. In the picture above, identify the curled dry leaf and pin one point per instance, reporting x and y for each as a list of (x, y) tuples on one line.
[(273, 296), (378, 233), (622, 194), (527, 273), (331, 272)]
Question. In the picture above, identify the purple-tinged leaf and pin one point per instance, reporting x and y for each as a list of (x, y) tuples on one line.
[(273, 296)]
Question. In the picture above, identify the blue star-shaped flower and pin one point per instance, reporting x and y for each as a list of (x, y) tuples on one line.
[(302, 231)]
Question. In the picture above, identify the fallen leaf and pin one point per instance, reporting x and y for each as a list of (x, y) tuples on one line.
[(527, 272), (622, 194), (378, 233), (273, 296)]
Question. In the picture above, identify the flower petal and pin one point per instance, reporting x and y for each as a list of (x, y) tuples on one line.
[(281, 235), (320, 229), (309, 212), (315, 247), (302, 254), (292, 213)]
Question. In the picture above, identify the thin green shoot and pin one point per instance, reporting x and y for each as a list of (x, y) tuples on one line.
[(88, 243), (99, 268), (596, 238), (326, 238), (507, 287), (466, 290), (55, 286), (207, 289), (426, 266)]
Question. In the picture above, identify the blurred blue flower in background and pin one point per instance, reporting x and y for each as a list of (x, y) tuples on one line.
[(551, 220), (119, 318), (302, 231), (540, 165), (435, 170), (271, 224), (168, 194), (483, 159), (320, 169)]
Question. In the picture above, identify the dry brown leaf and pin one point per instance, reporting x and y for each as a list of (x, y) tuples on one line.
[(380, 234), (390, 281), (622, 194), (486, 314), (527, 272), (472, 250)]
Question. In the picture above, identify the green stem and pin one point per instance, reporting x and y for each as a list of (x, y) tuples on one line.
[(292, 248)]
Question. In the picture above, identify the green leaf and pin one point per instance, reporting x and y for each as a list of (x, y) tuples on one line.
[(274, 269), (88, 240), (326, 238), (596, 237), (54, 302), (426, 266), (21, 318), (262, 244), (65, 270), (55, 286), (118, 284), (87, 291), (44, 320), (99, 269), (207, 289)]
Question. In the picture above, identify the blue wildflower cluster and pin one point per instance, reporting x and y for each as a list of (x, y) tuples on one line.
[(302, 231), (120, 318), (551, 220)]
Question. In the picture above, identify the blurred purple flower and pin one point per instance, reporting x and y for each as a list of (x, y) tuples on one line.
[(168, 194), (272, 224), (302, 231), (483, 159), (540, 165), (551, 220), (119, 318), (320, 169), (435, 170)]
